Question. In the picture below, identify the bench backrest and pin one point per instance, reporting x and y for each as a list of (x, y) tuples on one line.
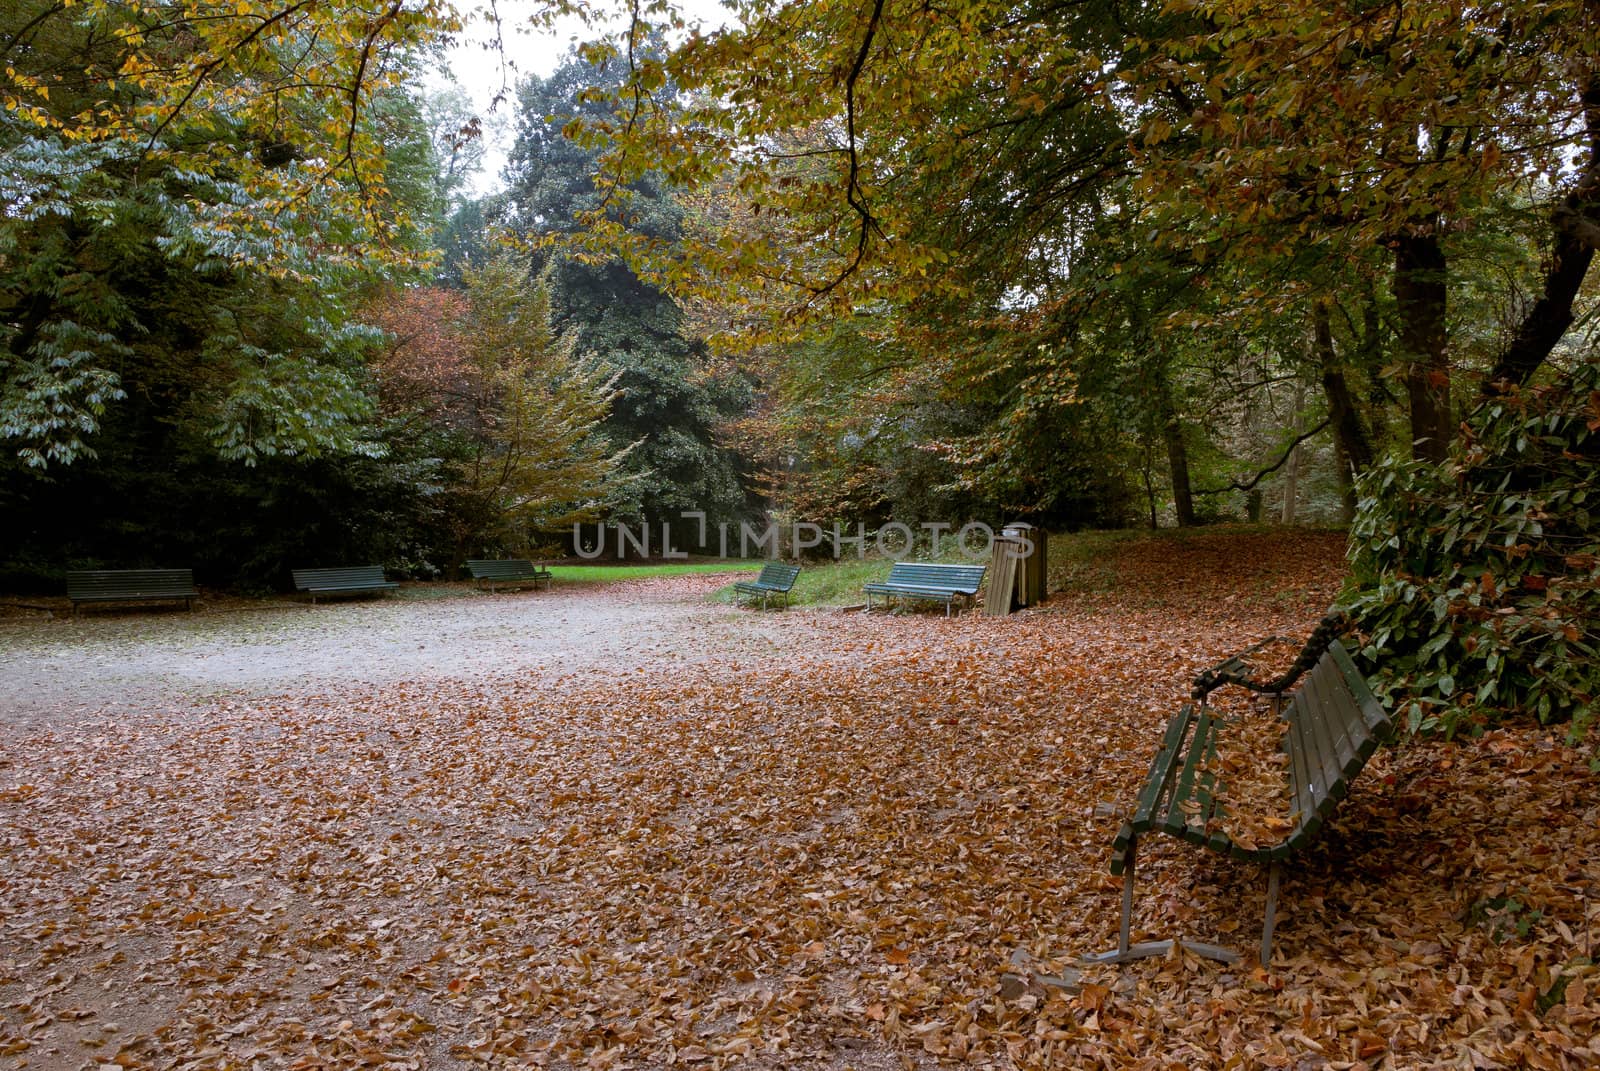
[(777, 575), (964, 579), (504, 569), (84, 584), (352, 576), (1335, 725)]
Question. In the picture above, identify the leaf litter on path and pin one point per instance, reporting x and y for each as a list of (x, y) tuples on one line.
[(828, 857)]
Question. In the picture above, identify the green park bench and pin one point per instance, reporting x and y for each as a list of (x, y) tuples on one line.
[(347, 580), (131, 585), (775, 579), (1335, 724), (508, 571), (928, 582)]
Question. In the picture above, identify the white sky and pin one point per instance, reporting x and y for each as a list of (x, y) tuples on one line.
[(479, 70)]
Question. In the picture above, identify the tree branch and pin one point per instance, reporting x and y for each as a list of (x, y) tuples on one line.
[(853, 194), (1269, 470), (1573, 249)]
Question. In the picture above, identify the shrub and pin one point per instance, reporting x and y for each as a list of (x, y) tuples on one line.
[(1476, 583)]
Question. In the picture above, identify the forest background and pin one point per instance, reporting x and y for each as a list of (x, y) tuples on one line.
[(1095, 264)]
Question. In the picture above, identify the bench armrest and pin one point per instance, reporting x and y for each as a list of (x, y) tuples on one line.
[(1236, 669)]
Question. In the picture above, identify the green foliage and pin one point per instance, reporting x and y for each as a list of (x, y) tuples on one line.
[(1477, 582), (538, 461), (178, 192), (1507, 918), (186, 222), (609, 574), (1110, 206), (669, 405)]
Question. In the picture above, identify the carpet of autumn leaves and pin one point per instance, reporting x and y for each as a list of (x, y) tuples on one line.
[(825, 857)]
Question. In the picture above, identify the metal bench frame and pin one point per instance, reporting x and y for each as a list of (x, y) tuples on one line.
[(508, 571), (929, 582), (1335, 724), (775, 579)]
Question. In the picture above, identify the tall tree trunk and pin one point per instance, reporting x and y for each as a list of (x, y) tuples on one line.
[(1177, 460), (1576, 227), (1352, 444), (1146, 474), (1348, 503), (1419, 290), (1291, 475)]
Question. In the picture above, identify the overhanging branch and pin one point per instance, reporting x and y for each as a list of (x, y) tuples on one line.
[(1269, 470)]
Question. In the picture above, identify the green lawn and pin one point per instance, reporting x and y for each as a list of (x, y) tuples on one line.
[(599, 574), (832, 583)]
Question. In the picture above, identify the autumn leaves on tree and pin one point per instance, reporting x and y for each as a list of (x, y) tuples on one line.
[(525, 406)]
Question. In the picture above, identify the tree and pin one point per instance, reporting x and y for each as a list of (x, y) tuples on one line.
[(518, 408), (154, 147), (957, 156), (671, 404)]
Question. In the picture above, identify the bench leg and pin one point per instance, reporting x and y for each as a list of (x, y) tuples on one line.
[(1127, 905), (1124, 951), (1145, 949), (1272, 910)]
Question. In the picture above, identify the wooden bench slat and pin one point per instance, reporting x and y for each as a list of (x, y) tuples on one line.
[(1346, 726), (1164, 765), (507, 571), (1301, 783), (933, 581), (1175, 821), (1156, 782), (1199, 828), (1336, 714), (775, 578), (1324, 755), (1378, 724), (1322, 800)]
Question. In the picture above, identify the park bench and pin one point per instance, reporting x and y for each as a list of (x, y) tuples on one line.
[(1335, 724), (775, 579), (508, 571), (131, 585), (348, 580), (929, 582)]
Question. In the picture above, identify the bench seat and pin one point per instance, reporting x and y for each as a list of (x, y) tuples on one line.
[(1334, 724), (929, 582), (508, 571), (131, 585), (776, 579), (345, 580)]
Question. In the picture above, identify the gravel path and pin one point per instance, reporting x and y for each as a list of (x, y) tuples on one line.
[(56, 671)]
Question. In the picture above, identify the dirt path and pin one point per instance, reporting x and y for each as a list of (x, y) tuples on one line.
[(57, 670)]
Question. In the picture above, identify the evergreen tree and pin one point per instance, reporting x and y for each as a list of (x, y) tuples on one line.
[(668, 404)]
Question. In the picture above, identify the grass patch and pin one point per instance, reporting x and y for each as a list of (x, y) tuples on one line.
[(600, 574), (1085, 562), (835, 583)]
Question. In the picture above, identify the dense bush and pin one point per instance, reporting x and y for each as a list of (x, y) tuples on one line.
[(1477, 582)]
